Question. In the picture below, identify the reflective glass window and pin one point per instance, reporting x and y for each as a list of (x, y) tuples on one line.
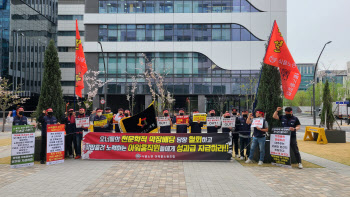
[(178, 6), (150, 6), (188, 6), (168, 6), (140, 6)]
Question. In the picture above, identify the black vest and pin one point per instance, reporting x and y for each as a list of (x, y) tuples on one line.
[(289, 122), (257, 133), (243, 128)]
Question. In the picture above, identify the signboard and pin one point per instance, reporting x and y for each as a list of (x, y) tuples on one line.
[(182, 119), (116, 118), (55, 144), (22, 146), (202, 117), (163, 121), (82, 122), (280, 146), (100, 123), (157, 146), (228, 122), (102, 101), (257, 122), (213, 121), (108, 116), (343, 110)]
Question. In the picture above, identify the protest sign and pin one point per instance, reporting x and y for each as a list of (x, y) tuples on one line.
[(257, 122), (108, 116), (157, 146), (280, 146), (22, 146), (228, 122), (182, 119), (82, 122), (55, 144), (100, 123), (202, 117), (163, 121), (213, 121)]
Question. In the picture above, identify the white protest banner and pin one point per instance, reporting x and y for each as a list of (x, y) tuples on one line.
[(22, 146), (257, 122), (163, 121), (82, 122), (213, 121), (228, 122), (55, 144), (280, 146)]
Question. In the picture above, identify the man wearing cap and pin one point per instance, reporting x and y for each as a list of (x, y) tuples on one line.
[(110, 123), (45, 119), (79, 135), (99, 117), (118, 117), (20, 119), (196, 127), (69, 120), (244, 134), (259, 137), (289, 120), (212, 129), (182, 128), (166, 129)]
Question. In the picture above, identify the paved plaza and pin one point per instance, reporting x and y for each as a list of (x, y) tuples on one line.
[(173, 178)]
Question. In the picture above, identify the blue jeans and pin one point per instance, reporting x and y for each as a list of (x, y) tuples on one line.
[(261, 142)]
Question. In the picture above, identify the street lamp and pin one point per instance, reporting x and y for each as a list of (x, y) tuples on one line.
[(104, 65), (313, 87)]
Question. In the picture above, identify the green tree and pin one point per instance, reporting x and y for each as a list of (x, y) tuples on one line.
[(270, 94), (51, 91), (327, 117)]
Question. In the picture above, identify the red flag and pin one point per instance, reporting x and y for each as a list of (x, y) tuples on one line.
[(278, 55), (80, 63)]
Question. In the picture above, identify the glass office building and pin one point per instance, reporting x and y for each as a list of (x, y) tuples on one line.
[(207, 50), (26, 28)]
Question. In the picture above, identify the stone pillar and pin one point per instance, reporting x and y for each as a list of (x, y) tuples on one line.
[(202, 104), (148, 100)]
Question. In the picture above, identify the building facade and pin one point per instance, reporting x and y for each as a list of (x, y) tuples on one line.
[(307, 71), (206, 49), (26, 27), (68, 12)]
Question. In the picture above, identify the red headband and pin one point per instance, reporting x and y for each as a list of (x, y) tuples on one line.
[(49, 109), (20, 108), (70, 110), (227, 114), (82, 109), (165, 111), (212, 111), (262, 113)]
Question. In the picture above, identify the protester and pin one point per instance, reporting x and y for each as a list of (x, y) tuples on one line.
[(108, 110), (20, 119), (244, 134), (228, 130), (212, 129), (69, 121), (235, 134), (118, 117), (99, 117), (79, 135), (45, 119), (127, 113), (196, 127), (259, 137), (181, 128), (166, 129), (289, 120)]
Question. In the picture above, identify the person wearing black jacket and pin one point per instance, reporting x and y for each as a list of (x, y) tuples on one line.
[(166, 129), (227, 130), (45, 119), (182, 128), (110, 123), (99, 117), (212, 129), (79, 135), (20, 119), (235, 134), (69, 120), (244, 134), (196, 127)]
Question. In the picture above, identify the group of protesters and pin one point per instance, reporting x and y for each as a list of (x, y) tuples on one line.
[(242, 137)]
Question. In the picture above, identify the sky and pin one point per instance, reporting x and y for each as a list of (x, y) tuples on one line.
[(311, 24)]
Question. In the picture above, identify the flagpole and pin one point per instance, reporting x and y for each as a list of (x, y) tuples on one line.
[(75, 68)]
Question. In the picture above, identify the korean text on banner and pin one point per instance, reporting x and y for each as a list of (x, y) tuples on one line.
[(100, 123), (157, 146), (280, 146), (82, 122), (108, 116), (202, 117), (163, 121), (213, 121), (182, 119), (22, 146), (257, 122), (228, 122), (55, 144)]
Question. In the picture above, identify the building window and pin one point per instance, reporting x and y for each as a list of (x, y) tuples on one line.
[(67, 65), (175, 6), (175, 32), (71, 17), (66, 49), (67, 83), (69, 33)]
